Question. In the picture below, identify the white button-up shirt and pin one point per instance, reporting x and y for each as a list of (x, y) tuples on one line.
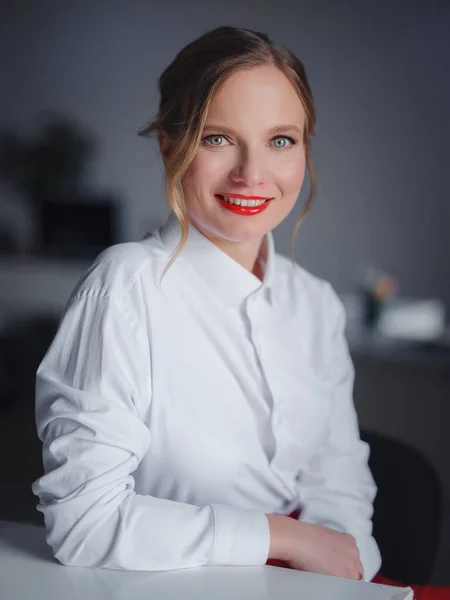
[(175, 413)]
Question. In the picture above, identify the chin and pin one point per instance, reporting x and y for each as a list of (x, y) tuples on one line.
[(247, 229), (236, 228)]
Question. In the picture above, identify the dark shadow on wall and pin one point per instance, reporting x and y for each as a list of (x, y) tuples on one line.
[(47, 172)]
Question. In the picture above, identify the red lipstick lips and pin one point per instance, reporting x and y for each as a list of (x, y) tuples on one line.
[(238, 209)]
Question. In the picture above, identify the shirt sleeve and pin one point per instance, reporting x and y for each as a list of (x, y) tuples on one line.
[(92, 393), (337, 490)]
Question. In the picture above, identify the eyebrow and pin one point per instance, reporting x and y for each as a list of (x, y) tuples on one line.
[(272, 131)]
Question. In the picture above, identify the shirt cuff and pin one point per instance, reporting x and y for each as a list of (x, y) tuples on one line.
[(370, 556), (241, 537)]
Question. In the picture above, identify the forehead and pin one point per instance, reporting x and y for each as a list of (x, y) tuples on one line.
[(262, 94)]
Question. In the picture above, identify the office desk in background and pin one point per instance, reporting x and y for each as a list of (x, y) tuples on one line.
[(29, 572)]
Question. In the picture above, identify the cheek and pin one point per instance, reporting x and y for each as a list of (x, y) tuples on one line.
[(291, 174), (206, 170)]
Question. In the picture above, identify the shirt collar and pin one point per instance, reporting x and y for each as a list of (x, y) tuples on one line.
[(230, 281)]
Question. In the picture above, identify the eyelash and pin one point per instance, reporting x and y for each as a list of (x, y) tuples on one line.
[(292, 140)]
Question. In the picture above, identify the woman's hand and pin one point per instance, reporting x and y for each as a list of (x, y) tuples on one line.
[(313, 548)]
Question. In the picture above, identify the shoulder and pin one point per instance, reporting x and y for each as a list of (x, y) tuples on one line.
[(121, 268)]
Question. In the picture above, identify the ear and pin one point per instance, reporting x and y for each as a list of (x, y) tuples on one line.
[(165, 145)]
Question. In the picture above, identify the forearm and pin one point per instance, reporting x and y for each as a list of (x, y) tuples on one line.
[(95, 519), (280, 537), (134, 532), (93, 516)]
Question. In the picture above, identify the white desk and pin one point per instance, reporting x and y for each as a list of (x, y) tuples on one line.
[(29, 572)]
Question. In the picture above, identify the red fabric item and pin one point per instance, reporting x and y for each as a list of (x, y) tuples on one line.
[(421, 592)]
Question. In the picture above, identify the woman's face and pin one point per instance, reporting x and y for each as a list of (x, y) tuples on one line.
[(251, 153)]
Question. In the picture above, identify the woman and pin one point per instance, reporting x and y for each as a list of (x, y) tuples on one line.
[(199, 387)]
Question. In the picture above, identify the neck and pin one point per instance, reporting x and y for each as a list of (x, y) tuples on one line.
[(244, 253)]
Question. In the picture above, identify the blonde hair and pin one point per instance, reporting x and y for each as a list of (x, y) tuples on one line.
[(187, 88)]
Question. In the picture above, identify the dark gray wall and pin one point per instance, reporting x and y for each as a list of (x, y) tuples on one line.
[(380, 74)]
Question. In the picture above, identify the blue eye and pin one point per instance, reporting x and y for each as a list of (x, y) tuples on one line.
[(283, 141), (214, 140)]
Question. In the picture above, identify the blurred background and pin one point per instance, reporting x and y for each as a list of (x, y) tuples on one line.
[(78, 80)]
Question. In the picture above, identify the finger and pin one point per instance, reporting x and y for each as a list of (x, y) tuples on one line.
[(357, 572)]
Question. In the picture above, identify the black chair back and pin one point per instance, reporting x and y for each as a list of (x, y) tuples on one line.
[(407, 509)]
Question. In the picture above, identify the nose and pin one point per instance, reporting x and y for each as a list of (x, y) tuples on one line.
[(249, 169)]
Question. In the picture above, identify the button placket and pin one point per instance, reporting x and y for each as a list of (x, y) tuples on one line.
[(257, 321), (262, 348)]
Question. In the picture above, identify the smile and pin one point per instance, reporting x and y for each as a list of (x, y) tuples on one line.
[(243, 205)]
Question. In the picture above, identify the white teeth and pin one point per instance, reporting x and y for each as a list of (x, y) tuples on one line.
[(241, 202)]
